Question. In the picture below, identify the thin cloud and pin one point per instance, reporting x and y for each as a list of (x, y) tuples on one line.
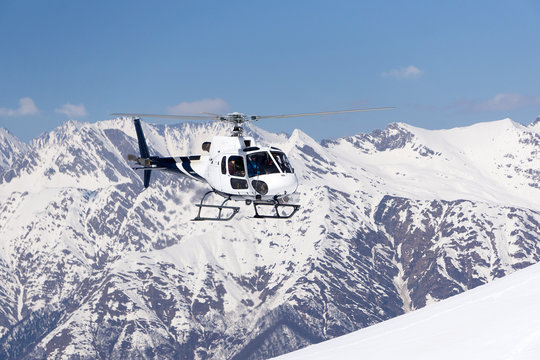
[(499, 102), (409, 72), (26, 107), (216, 106), (72, 111)]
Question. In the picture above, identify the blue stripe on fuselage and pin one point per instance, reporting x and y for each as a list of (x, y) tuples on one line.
[(186, 164)]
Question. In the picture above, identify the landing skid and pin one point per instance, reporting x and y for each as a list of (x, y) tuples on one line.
[(233, 210), (277, 207)]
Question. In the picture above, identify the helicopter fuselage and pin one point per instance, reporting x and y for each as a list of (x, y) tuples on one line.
[(239, 168), (235, 168)]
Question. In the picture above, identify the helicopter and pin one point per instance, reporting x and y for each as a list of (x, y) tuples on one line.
[(235, 167)]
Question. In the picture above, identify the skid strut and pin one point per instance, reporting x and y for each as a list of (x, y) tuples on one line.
[(277, 206), (234, 209)]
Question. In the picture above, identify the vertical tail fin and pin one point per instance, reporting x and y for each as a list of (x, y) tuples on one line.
[(143, 149), (147, 174)]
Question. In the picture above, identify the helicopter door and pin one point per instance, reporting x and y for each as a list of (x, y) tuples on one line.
[(224, 178), (237, 172), (215, 175)]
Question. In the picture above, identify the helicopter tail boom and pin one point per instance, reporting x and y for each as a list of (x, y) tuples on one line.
[(181, 165)]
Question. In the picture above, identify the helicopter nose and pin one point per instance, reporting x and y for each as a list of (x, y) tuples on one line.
[(275, 184), (290, 184)]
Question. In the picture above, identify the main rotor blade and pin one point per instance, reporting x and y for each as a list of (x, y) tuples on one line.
[(321, 113), (183, 117)]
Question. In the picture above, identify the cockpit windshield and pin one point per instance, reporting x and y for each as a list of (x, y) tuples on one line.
[(261, 163), (282, 161)]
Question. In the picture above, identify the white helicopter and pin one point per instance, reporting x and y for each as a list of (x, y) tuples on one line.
[(235, 167)]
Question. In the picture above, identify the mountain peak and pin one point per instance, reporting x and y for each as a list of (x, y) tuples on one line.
[(58, 134), (300, 136), (10, 147), (5, 133)]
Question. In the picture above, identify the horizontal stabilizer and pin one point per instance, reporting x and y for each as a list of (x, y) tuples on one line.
[(140, 161), (150, 168)]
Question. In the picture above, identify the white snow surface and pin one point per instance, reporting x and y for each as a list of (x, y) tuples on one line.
[(499, 320)]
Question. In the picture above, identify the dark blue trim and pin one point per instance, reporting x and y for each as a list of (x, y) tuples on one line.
[(186, 164), (147, 174), (143, 149)]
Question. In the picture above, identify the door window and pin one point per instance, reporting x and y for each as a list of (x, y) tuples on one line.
[(282, 161), (236, 166)]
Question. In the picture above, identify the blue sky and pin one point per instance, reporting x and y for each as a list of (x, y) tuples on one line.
[(442, 64)]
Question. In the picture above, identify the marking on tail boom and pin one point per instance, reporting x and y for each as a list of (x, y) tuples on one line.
[(186, 164)]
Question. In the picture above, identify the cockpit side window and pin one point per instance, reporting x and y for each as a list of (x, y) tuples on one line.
[(236, 166), (261, 163), (224, 165), (282, 161)]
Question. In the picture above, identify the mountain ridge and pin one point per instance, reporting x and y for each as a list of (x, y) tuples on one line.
[(93, 267)]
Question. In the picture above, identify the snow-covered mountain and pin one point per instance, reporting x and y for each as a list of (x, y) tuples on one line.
[(10, 148), (93, 267), (499, 320)]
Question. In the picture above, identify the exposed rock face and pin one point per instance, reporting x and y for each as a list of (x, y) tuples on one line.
[(92, 267)]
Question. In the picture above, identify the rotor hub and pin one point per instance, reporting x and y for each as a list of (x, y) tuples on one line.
[(238, 119)]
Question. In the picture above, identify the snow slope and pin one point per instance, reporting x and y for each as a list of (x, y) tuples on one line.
[(499, 320)]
